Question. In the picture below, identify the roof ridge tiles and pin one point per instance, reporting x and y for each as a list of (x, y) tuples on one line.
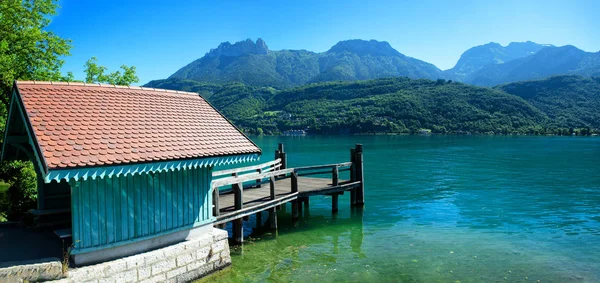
[(106, 86)]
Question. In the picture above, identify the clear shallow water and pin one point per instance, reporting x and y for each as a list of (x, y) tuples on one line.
[(439, 209)]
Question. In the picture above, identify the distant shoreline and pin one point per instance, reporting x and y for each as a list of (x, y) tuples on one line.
[(410, 134)]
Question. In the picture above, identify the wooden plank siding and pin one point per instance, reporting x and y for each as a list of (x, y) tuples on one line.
[(112, 211)]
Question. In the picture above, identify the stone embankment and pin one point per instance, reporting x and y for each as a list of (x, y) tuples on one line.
[(182, 262)]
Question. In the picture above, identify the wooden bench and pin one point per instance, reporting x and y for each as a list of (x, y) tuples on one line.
[(44, 212), (63, 233), (50, 217)]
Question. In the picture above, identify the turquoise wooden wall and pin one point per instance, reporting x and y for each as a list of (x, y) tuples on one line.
[(111, 211)]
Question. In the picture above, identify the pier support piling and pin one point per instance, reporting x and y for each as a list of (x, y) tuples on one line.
[(273, 218), (295, 210), (238, 231), (238, 224), (258, 219), (334, 203)]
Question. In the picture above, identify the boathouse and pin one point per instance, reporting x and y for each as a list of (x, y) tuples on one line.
[(132, 166)]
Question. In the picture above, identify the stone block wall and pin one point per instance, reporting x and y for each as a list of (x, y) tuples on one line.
[(38, 270), (181, 262)]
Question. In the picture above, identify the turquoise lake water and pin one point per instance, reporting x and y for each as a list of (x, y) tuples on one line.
[(438, 209)]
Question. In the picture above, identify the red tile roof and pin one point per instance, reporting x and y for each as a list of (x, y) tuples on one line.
[(80, 125)]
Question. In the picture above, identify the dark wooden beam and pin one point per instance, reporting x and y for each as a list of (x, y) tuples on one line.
[(16, 140)]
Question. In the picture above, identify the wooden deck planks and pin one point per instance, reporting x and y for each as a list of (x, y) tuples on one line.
[(257, 196)]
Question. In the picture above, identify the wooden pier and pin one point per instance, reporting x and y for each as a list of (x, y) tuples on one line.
[(267, 186)]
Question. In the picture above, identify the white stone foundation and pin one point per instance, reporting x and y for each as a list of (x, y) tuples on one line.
[(181, 262)]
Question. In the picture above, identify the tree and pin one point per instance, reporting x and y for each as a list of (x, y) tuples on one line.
[(22, 193), (27, 52), (96, 74)]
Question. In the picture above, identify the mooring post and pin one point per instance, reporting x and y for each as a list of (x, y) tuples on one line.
[(360, 192), (280, 153), (273, 218), (353, 176), (283, 156), (334, 202), (238, 226)]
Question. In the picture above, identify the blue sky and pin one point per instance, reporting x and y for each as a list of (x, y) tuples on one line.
[(160, 36)]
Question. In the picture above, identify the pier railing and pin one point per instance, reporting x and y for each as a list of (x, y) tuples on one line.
[(254, 177)]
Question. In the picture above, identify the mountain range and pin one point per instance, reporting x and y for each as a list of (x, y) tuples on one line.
[(491, 64), (361, 86), (555, 105)]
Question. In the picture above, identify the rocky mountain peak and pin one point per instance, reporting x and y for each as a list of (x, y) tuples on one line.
[(240, 48), (364, 47)]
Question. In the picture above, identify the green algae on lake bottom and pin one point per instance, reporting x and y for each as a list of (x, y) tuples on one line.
[(439, 209)]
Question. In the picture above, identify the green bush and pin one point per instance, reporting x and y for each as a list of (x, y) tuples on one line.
[(21, 195)]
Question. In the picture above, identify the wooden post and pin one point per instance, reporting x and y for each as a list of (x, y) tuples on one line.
[(238, 231), (294, 182), (258, 219), (283, 156), (335, 176), (259, 181), (360, 192), (295, 209), (216, 202), (273, 218), (238, 226), (352, 176), (280, 153), (272, 186), (238, 196), (306, 207), (295, 213), (334, 203)]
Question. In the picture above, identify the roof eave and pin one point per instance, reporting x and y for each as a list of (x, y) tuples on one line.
[(83, 173)]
